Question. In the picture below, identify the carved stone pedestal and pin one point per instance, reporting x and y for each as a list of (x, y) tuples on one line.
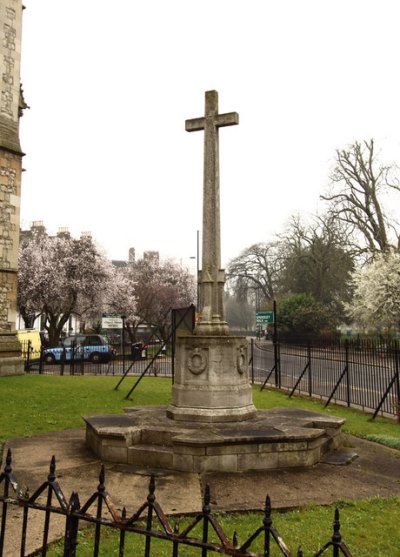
[(211, 380)]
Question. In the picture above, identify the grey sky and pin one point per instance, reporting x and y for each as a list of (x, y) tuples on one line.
[(111, 84)]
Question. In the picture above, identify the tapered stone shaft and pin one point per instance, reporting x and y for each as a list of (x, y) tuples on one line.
[(212, 279)]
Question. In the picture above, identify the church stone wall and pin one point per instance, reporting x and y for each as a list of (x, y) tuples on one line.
[(10, 190), (10, 55), (10, 180)]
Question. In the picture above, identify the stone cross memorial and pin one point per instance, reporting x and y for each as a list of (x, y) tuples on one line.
[(211, 287), (211, 378), (211, 423)]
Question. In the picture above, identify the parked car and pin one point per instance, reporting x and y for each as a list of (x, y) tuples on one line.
[(91, 347)]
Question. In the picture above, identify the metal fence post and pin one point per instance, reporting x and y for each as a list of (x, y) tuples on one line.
[(28, 356), (41, 360), (267, 523), (275, 343), (71, 527), (310, 386), (336, 538), (7, 476), (252, 360), (348, 393), (396, 355), (149, 521), (123, 317), (206, 518), (63, 358), (72, 360)]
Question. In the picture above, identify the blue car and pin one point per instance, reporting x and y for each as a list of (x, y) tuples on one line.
[(92, 348)]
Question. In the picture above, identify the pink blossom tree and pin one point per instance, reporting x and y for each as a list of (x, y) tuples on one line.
[(149, 290), (61, 276)]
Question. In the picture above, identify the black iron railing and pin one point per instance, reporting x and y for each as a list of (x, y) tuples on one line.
[(362, 374), (161, 365), (149, 522)]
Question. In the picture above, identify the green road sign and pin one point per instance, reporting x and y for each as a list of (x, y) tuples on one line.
[(264, 316)]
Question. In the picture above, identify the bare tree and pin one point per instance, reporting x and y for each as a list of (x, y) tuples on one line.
[(257, 269), (358, 186), (317, 259)]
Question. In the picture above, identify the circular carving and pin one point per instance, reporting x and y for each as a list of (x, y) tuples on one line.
[(241, 360), (197, 361)]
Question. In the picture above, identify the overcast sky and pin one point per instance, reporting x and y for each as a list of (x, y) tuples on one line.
[(110, 84)]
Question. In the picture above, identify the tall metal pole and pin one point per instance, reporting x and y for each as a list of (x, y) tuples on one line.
[(276, 348), (123, 317), (198, 268)]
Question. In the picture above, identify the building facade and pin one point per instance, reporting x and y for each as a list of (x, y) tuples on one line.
[(11, 107)]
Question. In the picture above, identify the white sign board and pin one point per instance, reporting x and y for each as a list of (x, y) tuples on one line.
[(111, 323)]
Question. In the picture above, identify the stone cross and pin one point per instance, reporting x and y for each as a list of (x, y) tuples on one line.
[(211, 283)]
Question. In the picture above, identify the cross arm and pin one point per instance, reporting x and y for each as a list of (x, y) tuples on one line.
[(195, 124), (220, 120), (228, 119)]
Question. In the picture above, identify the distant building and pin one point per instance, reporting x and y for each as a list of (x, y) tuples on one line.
[(120, 263), (64, 232), (38, 229), (147, 256), (151, 256)]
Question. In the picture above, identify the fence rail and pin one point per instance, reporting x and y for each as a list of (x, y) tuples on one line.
[(360, 374), (119, 364), (148, 522)]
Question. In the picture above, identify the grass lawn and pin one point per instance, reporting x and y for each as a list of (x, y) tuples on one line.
[(32, 404)]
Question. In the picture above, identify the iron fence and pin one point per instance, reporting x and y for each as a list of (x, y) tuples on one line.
[(149, 523), (156, 358), (362, 374)]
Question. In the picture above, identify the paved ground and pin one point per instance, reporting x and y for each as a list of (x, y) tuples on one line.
[(375, 472)]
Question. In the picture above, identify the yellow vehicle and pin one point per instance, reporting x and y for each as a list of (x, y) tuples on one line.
[(30, 340)]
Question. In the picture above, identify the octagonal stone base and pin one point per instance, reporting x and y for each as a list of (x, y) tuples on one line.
[(279, 438)]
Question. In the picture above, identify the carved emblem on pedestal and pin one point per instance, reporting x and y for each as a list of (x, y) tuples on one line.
[(241, 359), (197, 360)]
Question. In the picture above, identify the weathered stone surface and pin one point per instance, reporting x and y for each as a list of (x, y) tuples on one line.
[(11, 362), (183, 462), (10, 55), (211, 380), (222, 463), (258, 461), (10, 178), (150, 456), (212, 279), (279, 438)]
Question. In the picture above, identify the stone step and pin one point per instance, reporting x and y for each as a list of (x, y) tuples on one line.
[(150, 456), (156, 436)]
